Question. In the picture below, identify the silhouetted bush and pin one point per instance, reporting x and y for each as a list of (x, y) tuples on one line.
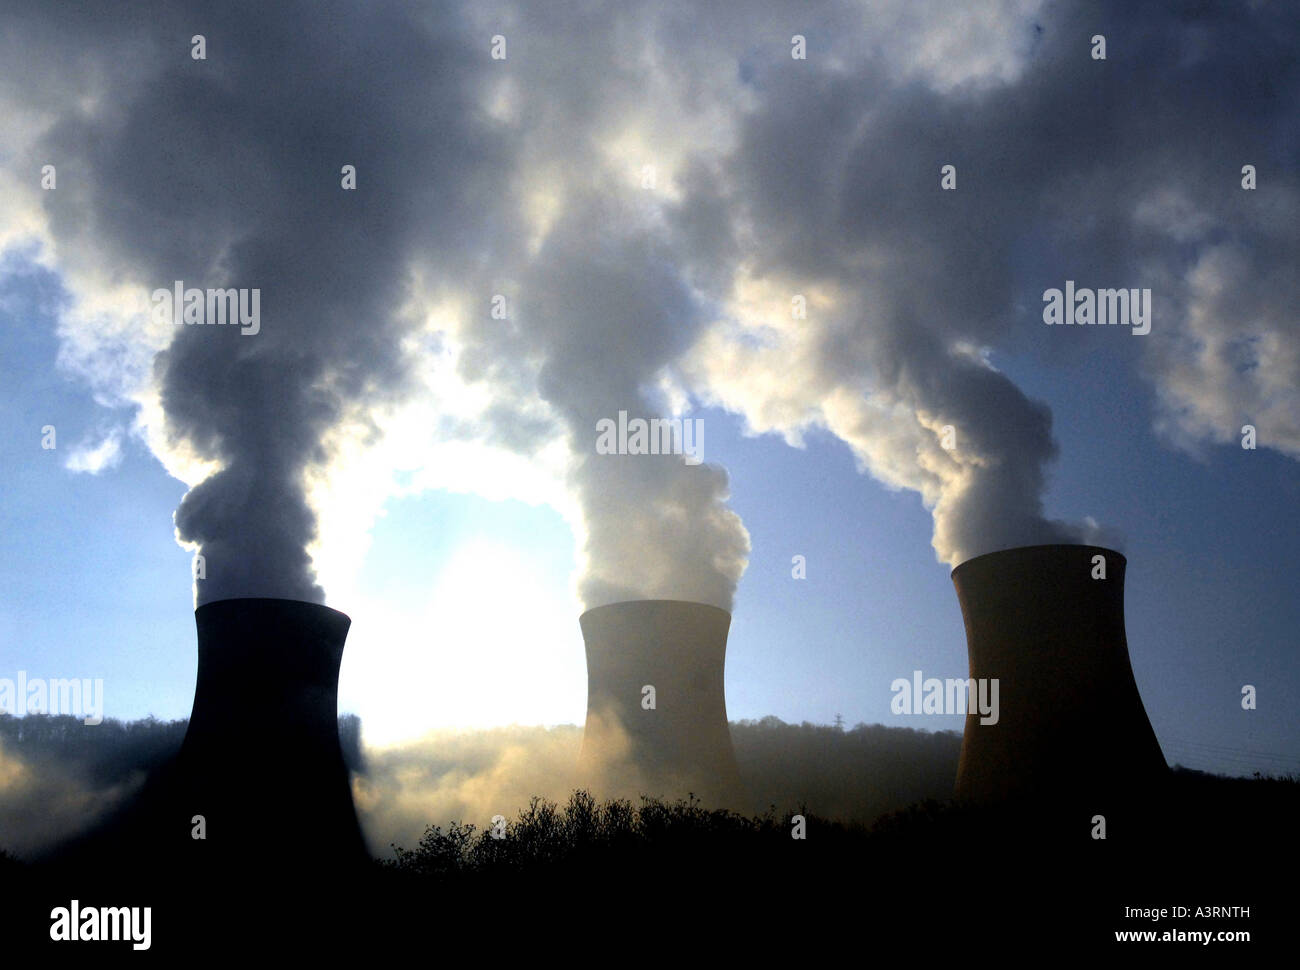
[(587, 832)]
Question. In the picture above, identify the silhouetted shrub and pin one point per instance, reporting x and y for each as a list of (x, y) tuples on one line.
[(586, 831)]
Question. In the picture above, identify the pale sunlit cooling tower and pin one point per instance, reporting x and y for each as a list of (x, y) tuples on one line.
[(1070, 717), (683, 743)]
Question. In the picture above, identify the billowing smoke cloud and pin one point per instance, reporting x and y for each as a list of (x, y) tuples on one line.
[(832, 197), (830, 282), (844, 289), (227, 172), (654, 189), (604, 310), (601, 306)]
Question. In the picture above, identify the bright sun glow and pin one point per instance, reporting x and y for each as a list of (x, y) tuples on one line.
[(491, 645)]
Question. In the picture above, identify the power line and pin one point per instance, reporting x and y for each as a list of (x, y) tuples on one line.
[(1191, 758), (1231, 747), (1231, 750)]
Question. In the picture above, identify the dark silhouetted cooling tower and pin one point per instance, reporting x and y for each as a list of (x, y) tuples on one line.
[(681, 745), (261, 760), (1070, 718)]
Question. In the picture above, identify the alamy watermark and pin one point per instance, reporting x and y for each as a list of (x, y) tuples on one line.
[(78, 698), (96, 924), (656, 436), (242, 307), (1102, 307), (952, 696)]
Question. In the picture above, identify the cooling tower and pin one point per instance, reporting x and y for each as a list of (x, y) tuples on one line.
[(1070, 718), (682, 744), (261, 760)]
